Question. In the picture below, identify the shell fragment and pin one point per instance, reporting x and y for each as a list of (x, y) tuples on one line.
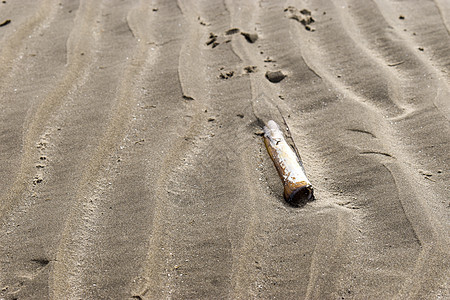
[(297, 188)]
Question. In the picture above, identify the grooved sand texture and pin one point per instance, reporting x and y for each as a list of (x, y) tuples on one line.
[(131, 169)]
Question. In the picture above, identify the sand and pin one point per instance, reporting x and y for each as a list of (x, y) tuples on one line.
[(132, 164)]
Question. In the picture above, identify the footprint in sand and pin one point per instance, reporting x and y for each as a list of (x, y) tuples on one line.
[(212, 41), (302, 16), (226, 74), (250, 69)]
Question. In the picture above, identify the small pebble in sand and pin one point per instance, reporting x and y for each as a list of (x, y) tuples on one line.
[(250, 37), (275, 76), (232, 31)]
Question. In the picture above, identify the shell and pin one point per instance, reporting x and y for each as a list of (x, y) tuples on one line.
[(297, 188)]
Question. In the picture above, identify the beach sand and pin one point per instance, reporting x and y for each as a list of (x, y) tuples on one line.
[(133, 167)]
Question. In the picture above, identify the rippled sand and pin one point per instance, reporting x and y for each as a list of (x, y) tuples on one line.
[(132, 165)]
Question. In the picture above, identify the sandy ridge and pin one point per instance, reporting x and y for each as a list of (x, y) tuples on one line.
[(10, 55), (80, 222), (415, 221)]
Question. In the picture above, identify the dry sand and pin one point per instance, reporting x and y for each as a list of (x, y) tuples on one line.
[(131, 167)]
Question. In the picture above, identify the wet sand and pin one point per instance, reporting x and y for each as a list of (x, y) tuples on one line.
[(132, 164)]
